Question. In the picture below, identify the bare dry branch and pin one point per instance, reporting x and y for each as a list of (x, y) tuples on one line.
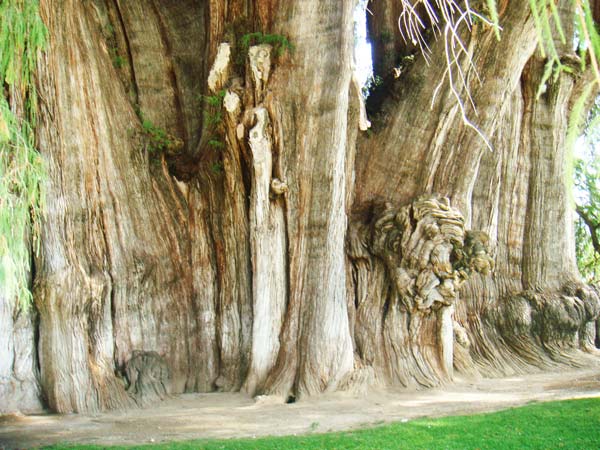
[(451, 17)]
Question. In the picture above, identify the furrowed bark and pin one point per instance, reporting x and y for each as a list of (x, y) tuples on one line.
[(316, 351), (217, 221), (113, 272)]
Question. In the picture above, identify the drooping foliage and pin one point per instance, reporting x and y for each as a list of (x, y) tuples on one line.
[(22, 36)]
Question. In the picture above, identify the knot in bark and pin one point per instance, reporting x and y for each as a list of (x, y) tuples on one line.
[(426, 250), (278, 187)]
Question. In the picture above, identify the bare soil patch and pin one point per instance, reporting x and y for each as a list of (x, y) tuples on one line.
[(226, 415)]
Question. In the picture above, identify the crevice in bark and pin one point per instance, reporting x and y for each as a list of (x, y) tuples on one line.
[(171, 74), (219, 268), (36, 352), (134, 84), (111, 295)]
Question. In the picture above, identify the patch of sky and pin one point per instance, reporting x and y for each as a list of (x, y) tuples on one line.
[(363, 59)]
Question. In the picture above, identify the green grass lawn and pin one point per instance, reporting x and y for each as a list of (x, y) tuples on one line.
[(572, 424)]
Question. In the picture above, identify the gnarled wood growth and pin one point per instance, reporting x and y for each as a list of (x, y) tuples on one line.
[(216, 222), (408, 265)]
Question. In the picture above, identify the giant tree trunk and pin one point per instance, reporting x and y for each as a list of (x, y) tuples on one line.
[(276, 250), (532, 311)]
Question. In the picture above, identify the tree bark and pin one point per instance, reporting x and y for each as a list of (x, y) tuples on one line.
[(19, 373), (271, 246)]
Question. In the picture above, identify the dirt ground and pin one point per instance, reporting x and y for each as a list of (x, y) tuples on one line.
[(219, 415)]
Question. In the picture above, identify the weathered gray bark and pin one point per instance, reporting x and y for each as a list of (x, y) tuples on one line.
[(277, 250), (19, 375)]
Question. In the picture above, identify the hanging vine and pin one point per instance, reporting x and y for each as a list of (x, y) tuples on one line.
[(22, 36)]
